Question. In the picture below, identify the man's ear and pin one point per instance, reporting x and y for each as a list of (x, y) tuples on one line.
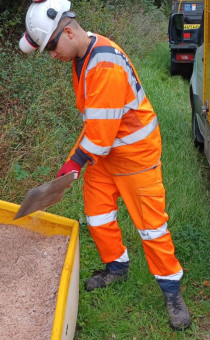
[(68, 31)]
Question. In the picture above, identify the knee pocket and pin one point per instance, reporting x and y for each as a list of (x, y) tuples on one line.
[(152, 205)]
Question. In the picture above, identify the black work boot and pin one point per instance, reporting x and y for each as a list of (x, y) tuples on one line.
[(177, 311), (102, 278)]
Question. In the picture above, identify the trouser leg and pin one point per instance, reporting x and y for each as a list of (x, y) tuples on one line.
[(144, 197), (100, 199)]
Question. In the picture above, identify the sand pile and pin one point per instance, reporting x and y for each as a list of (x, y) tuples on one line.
[(30, 271)]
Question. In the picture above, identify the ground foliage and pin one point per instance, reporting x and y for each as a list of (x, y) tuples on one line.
[(12, 13), (39, 125), (30, 92)]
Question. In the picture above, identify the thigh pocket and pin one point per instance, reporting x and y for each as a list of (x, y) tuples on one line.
[(152, 202)]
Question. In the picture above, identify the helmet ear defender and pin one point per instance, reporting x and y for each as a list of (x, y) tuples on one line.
[(30, 41), (26, 44), (42, 19)]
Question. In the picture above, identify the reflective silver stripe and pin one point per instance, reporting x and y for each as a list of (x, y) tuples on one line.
[(140, 95), (93, 148), (116, 59), (136, 136), (130, 139), (116, 113), (98, 220), (103, 113), (151, 234), (126, 109), (109, 57), (124, 257), (136, 102), (175, 277)]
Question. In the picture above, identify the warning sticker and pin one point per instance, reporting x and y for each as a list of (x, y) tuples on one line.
[(190, 7)]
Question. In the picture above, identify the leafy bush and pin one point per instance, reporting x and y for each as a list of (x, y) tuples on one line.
[(135, 25), (39, 121), (12, 19), (109, 18)]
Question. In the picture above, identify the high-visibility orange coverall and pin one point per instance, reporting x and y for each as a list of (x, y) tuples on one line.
[(122, 137)]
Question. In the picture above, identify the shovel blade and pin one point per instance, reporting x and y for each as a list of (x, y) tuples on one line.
[(45, 195)]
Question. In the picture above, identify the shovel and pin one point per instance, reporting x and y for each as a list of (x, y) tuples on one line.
[(47, 194)]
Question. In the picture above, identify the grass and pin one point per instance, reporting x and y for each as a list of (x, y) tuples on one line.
[(39, 124), (135, 309)]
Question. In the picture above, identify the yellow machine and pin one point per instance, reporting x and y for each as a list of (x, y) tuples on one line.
[(200, 79), (183, 53), (200, 86), (206, 78), (68, 294)]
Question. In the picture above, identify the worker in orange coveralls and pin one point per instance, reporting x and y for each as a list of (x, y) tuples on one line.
[(121, 147)]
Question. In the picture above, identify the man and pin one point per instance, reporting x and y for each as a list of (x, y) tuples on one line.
[(121, 147)]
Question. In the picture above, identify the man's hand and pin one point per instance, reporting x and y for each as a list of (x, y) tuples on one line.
[(69, 167)]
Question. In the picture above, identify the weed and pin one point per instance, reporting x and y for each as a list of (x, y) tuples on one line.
[(19, 172)]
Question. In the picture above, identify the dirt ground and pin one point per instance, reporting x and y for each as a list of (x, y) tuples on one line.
[(30, 270)]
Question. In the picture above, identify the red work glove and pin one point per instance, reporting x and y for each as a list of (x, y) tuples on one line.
[(69, 167)]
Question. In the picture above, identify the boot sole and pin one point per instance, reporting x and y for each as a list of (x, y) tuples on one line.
[(183, 328)]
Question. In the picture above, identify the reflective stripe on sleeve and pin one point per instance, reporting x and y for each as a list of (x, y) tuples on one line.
[(175, 277), (111, 54), (136, 136), (151, 234), (130, 139), (98, 220), (103, 113), (93, 148), (116, 113), (135, 103)]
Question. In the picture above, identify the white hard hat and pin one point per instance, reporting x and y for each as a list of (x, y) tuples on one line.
[(42, 19)]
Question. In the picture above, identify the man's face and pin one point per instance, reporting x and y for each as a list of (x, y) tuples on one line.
[(61, 44)]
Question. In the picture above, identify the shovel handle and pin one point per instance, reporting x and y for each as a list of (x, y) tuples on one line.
[(72, 151)]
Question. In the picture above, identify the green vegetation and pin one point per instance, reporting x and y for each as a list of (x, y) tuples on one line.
[(39, 125)]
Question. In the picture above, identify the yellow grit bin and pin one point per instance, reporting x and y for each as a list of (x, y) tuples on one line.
[(68, 293)]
